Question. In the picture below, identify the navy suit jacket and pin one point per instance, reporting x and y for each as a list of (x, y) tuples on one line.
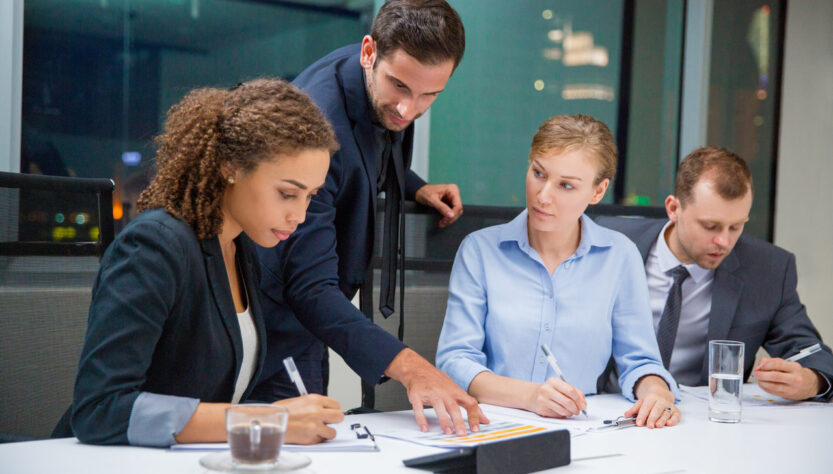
[(162, 320), (308, 280), (754, 299)]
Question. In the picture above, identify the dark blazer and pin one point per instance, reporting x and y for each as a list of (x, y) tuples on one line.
[(754, 299), (162, 320), (308, 281)]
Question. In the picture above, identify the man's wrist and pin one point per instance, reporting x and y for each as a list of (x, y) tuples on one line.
[(402, 366), (822, 384)]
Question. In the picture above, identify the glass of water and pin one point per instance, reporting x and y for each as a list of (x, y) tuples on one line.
[(725, 381)]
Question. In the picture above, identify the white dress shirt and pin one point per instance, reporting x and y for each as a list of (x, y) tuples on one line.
[(692, 333)]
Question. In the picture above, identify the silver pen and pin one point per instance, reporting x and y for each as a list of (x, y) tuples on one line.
[(805, 352), (555, 367), (294, 375)]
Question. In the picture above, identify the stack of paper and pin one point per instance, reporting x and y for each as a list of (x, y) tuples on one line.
[(345, 441)]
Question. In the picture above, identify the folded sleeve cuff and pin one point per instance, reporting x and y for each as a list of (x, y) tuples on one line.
[(628, 381), (466, 372), (825, 395), (155, 418)]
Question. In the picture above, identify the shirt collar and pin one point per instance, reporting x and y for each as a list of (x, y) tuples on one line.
[(667, 260), (591, 234)]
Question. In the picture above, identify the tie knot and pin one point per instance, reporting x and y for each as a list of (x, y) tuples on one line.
[(678, 273)]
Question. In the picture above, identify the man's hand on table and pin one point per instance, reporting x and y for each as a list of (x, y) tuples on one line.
[(427, 385)]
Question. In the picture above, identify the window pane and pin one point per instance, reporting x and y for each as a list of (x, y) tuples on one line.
[(745, 65), (654, 102), (523, 64), (99, 75)]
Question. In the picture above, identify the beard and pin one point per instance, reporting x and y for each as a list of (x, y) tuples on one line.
[(701, 257), (384, 112)]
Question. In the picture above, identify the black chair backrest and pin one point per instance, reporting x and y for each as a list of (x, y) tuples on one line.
[(53, 232), (430, 253)]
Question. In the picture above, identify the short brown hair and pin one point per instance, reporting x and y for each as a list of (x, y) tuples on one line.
[(564, 133), (728, 172), (213, 129), (428, 30)]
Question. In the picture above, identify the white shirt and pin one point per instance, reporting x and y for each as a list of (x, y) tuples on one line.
[(250, 348), (692, 333)]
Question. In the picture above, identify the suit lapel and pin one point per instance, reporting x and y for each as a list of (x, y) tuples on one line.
[(726, 292), (363, 134), (357, 106), (218, 279), (647, 237)]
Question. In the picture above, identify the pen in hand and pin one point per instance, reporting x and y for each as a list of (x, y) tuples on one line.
[(294, 375), (554, 364), (805, 352)]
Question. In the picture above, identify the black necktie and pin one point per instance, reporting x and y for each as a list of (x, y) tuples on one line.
[(670, 320), (390, 244)]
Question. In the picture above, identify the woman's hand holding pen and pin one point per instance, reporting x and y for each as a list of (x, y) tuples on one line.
[(654, 406), (555, 398), (309, 416)]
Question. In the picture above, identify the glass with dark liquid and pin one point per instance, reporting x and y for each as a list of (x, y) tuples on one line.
[(255, 433)]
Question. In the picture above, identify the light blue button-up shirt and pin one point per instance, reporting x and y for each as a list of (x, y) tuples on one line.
[(503, 304)]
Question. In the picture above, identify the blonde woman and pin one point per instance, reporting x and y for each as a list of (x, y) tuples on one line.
[(552, 276)]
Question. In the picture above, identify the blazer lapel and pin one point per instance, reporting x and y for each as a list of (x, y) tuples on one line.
[(726, 292), (357, 105), (220, 290), (646, 238)]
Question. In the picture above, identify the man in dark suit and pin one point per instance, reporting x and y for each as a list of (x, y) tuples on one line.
[(371, 93), (707, 282)]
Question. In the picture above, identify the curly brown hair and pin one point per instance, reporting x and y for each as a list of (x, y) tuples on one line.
[(213, 130)]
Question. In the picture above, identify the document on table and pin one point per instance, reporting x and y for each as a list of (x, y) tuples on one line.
[(494, 431), (577, 425), (345, 441), (753, 396)]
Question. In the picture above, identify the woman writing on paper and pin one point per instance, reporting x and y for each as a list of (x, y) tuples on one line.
[(175, 331), (553, 277)]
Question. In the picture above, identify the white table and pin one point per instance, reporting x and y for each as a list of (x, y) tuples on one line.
[(769, 439)]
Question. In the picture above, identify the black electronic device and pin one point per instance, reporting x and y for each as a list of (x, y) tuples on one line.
[(512, 456)]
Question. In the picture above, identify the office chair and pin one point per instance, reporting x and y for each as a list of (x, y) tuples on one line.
[(53, 231), (429, 256)]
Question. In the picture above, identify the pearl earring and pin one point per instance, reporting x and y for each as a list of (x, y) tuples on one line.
[(230, 180)]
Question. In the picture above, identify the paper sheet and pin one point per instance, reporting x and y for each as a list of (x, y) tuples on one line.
[(345, 441), (753, 396), (495, 431), (577, 425)]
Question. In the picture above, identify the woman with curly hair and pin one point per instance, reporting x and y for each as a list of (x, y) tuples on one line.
[(175, 331)]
